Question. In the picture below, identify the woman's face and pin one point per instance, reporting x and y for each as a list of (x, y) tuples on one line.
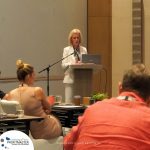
[(75, 40)]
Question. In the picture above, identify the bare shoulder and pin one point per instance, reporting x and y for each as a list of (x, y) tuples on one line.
[(11, 94), (39, 92), (13, 91), (38, 89)]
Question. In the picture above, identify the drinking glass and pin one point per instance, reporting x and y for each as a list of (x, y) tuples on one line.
[(77, 99), (58, 99), (20, 113)]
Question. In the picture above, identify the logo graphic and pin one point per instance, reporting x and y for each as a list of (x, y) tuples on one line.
[(15, 140)]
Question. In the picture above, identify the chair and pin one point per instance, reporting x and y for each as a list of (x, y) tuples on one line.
[(45, 144), (9, 107)]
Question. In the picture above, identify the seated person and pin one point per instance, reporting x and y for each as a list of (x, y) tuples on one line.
[(34, 103), (118, 123)]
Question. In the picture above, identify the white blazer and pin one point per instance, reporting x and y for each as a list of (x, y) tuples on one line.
[(68, 72)]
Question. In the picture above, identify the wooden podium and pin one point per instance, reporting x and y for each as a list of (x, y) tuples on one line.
[(83, 78)]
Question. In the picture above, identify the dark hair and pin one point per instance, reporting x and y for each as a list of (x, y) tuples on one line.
[(23, 70), (137, 79)]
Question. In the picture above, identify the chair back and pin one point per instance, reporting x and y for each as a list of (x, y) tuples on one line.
[(47, 144)]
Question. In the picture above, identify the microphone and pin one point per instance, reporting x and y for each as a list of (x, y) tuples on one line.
[(76, 54)]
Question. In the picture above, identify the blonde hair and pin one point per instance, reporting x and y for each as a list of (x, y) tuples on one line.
[(19, 63), (23, 69), (74, 31)]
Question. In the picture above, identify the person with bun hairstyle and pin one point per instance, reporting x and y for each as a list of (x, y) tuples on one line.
[(34, 103)]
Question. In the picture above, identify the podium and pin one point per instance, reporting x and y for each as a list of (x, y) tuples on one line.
[(83, 74)]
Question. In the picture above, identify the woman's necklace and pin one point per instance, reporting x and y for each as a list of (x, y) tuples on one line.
[(23, 85)]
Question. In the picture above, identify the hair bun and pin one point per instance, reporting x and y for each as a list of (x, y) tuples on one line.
[(19, 63)]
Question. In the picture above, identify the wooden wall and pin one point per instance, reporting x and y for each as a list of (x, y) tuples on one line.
[(99, 40)]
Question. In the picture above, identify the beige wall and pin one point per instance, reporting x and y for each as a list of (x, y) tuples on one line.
[(147, 31), (121, 40), (99, 41)]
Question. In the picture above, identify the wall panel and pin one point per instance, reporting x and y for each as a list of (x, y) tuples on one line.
[(99, 40)]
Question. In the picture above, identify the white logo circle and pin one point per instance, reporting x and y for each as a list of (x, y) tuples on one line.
[(15, 140)]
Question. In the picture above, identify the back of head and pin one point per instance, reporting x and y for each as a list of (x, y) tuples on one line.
[(137, 79), (23, 70)]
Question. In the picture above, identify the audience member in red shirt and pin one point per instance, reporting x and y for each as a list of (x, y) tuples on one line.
[(120, 123)]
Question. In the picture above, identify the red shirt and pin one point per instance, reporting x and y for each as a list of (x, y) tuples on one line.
[(112, 124)]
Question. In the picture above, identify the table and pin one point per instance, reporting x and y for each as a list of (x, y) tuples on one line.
[(22, 124), (68, 114)]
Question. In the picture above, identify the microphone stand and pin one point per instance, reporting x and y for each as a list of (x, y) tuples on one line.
[(48, 69)]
